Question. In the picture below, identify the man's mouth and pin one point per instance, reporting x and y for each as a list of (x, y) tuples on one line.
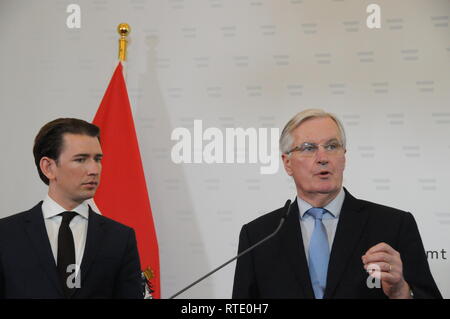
[(324, 174), (92, 184)]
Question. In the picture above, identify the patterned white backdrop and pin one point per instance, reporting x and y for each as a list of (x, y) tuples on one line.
[(230, 64)]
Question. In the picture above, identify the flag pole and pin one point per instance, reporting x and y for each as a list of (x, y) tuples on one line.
[(124, 30)]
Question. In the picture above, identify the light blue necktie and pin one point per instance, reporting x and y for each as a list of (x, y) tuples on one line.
[(319, 253)]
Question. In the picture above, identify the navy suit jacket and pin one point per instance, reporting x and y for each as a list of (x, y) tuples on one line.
[(110, 267), (279, 269)]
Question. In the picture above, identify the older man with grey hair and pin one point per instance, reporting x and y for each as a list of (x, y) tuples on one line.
[(332, 245)]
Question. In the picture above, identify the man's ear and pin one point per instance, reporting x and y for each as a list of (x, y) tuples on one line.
[(345, 158), (48, 167), (287, 164)]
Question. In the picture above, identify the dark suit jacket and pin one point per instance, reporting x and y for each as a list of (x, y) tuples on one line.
[(279, 269), (110, 267)]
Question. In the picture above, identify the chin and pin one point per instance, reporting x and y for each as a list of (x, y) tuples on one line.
[(327, 189), (86, 196)]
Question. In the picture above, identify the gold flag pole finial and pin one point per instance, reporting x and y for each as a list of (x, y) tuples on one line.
[(124, 30)]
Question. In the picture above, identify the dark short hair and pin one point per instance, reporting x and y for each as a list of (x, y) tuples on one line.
[(49, 140)]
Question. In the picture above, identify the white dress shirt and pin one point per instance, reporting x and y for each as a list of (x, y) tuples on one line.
[(78, 225), (330, 221)]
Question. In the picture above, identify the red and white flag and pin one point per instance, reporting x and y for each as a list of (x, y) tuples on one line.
[(122, 194)]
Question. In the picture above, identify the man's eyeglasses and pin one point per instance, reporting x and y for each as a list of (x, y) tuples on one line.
[(310, 149)]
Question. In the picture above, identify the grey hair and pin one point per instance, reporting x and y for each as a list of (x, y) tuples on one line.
[(286, 139)]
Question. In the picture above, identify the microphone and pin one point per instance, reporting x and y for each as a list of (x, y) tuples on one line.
[(287, 209)]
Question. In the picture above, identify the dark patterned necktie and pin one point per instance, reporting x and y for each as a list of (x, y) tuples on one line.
[(66, 251)]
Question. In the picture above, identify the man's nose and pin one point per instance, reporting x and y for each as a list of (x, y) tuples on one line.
[(94, 167), (322, 156)]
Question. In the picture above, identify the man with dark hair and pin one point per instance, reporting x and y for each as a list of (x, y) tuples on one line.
[(61, 248), (49, 140)]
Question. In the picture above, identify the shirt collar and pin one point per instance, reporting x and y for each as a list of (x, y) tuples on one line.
[(50, 208), (334, 207)]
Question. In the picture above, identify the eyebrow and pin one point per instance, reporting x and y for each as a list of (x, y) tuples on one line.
[(334, 139), (87, 155)]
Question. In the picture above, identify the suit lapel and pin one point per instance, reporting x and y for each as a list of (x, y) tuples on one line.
[(292, 245), (94, 237), (350, 227), (37, 233)]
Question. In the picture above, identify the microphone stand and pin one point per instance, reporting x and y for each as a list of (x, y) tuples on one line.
[(288, 208)]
